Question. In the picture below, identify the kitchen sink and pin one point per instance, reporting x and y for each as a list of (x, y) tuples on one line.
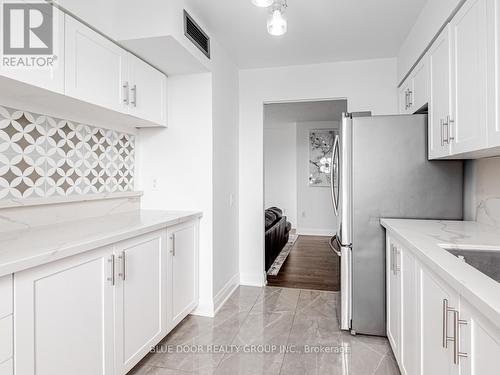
[(486, 261)]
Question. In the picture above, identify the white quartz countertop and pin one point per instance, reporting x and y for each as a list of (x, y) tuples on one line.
[(427, 239), (23, 249)]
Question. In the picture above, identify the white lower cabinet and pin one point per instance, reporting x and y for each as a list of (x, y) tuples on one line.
[(102, 311), (410, 328), (140, 298), (436, 324), (432, 329), (64, 317), (183, 271), (6, 368), (479, 343), (393, 281)]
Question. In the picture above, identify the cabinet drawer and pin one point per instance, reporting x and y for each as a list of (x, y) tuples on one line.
[(6, 338), (6, 368), (5, 296)]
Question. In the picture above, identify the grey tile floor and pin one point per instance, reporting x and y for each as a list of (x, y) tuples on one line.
[(255, 332)]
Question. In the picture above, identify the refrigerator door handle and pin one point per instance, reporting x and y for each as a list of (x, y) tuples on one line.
[(334, 171)]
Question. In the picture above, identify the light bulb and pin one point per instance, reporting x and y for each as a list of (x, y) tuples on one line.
[(276, 23), (262, 3)]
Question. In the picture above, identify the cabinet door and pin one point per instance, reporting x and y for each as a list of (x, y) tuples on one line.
[(148, 92), (183, 251), (480, 340), (439, 94), (469, 120), (140, 298), (51, 78), (96, 70), (437, 353), (410, 314), (419, 95), (493, 72), (393, 298), (64, 317), (403, 98)]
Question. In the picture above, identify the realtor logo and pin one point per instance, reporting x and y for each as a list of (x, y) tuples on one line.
[(28, 29)]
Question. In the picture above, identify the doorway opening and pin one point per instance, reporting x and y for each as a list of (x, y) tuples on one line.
[(299, 217)]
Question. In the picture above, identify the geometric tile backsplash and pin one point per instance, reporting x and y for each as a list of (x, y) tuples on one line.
[(41, 156)]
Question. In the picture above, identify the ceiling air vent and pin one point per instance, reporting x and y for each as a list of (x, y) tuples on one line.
[(196, 35)]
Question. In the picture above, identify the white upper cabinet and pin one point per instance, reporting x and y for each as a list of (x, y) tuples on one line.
[(100, 72), (493, 9), (468, 120), (147, 91), (97, 80), (96, 68), (50, 78), (404, 97), (439, 61), (420, 91), (413, 93)]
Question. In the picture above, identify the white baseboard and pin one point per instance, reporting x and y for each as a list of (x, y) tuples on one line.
[(257, 279), (209, 308), (226, 292), (204, 308), (315, 232)]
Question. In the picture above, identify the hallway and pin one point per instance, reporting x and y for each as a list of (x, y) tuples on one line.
[(310, 265)]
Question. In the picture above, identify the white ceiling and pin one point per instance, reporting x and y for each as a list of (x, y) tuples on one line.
[(285, 113), (318, 30)]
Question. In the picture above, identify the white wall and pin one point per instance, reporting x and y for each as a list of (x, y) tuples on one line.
[(225, 86), (179, 158), (428, 23), (367, 85), (314, 203), (280, 160)]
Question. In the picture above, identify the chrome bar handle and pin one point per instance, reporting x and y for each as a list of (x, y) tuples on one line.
[(442, 132), (125, 93), (392, 257), (449, 122), (123, 265), (397, 264), (111, 278), (134, 100), (406, 99), (457, 354), (335, 169), (172, 251), (446, 310), (446, 125), (410, 98)]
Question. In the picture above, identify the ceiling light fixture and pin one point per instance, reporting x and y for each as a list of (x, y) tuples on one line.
[(262, 3), (276, 22)]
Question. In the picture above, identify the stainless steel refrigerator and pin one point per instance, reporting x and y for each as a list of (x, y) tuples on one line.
[(380, 169)]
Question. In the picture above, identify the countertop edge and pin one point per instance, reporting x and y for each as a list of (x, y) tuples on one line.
[(474, 295), (73, 249)]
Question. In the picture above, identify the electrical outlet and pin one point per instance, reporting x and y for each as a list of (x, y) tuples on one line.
[(231, 200), (154, 184)]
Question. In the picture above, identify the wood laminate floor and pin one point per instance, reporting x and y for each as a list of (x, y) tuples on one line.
[(310, 265)]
